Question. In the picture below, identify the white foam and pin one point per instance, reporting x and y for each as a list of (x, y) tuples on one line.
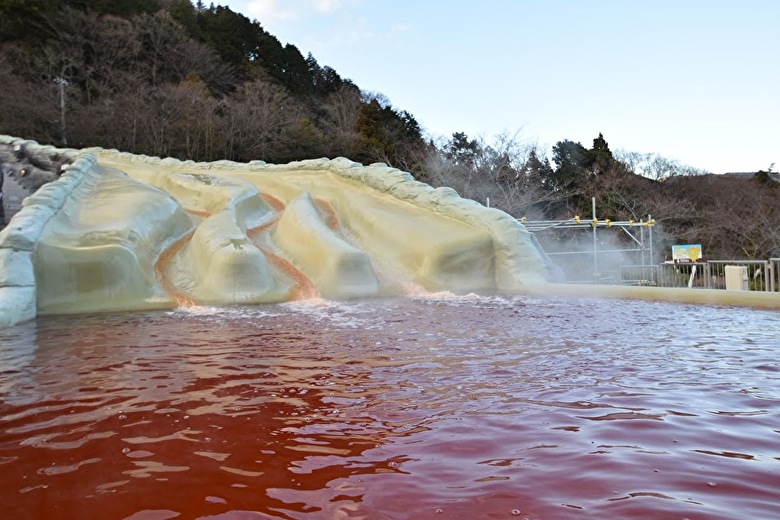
[(343, 314)]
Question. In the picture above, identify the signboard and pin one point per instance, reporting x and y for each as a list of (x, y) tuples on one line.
[(686, 254)]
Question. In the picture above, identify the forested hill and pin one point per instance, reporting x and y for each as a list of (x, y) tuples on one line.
[(169, 78)]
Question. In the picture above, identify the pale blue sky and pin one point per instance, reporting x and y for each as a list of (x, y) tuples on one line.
[(697, 81)]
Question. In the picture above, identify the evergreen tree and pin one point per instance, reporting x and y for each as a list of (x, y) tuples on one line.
[(412, 131), (602, 160), (186, 14), (573, 162), (236, 38), (294, 72), (600, 145), (124, 8), (535, 171), (764, 178), (462, 150), (27, 21), (325, 80)]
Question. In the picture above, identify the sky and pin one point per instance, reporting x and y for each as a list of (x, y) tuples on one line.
[(695, 81)]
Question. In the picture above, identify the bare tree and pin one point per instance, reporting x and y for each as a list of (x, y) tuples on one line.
[(27, 107), (654, 166), (124, 120), (746, 220), (259, 119), (508, 173), (342, 110), (197, 130), (172, 55)]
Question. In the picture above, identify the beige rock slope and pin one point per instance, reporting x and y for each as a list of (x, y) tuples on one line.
[(123, 232)]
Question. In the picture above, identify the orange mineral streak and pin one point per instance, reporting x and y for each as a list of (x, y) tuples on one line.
[(278, 207), (303, 288), (275, 203), (182, 300), (200, 213), (255, 231), (331, 220)]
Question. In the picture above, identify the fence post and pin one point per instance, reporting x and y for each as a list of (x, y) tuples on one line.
[(766, 277), (650, 219), (595, 245)]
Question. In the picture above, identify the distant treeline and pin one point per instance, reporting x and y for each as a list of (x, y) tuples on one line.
[(169, 78)]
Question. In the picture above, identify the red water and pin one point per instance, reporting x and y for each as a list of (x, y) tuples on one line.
[(468, 408)]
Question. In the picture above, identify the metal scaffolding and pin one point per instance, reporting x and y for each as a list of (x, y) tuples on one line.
[(640, 234)]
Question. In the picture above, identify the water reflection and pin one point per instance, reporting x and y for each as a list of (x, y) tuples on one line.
[(469, 407)]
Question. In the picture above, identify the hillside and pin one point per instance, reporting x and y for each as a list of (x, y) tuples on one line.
[(169, 78)]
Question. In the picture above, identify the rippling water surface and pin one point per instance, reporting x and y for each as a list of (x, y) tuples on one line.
[(436, 407)]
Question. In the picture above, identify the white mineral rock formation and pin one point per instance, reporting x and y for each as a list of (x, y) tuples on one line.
[(119, 232)]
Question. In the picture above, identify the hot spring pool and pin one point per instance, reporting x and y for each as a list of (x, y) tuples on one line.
[(432, 407)]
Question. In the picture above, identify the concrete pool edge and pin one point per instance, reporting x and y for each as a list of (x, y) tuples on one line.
[(761, 300)]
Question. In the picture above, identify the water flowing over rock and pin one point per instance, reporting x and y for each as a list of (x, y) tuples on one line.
[(119, 231)]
